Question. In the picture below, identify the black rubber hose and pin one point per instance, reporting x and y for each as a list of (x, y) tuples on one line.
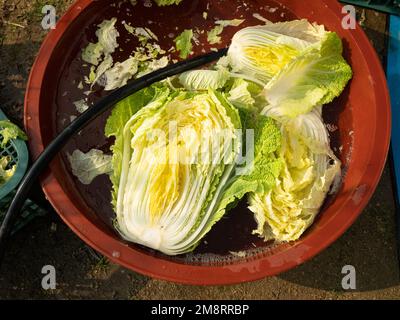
[(104, 104)]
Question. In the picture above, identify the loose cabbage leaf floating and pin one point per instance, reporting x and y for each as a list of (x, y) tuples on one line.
[(230, 23), (172, 161), (162, 3), (120, 73), (214, 35), (107, 35), (87, 166), (93, 53), (184, 44)]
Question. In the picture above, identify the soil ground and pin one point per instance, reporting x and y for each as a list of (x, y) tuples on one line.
[(369, 245)]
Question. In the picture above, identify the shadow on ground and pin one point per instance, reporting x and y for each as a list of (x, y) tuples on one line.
[(80, 272), (14, 72)]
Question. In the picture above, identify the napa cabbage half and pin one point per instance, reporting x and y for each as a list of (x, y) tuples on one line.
[(308, 170), (172, 160)]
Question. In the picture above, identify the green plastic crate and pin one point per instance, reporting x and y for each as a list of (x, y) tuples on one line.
[(29, 211), (387, 6), (18, 153)]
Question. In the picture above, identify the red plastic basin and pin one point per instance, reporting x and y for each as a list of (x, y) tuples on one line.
[(362, 115)]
